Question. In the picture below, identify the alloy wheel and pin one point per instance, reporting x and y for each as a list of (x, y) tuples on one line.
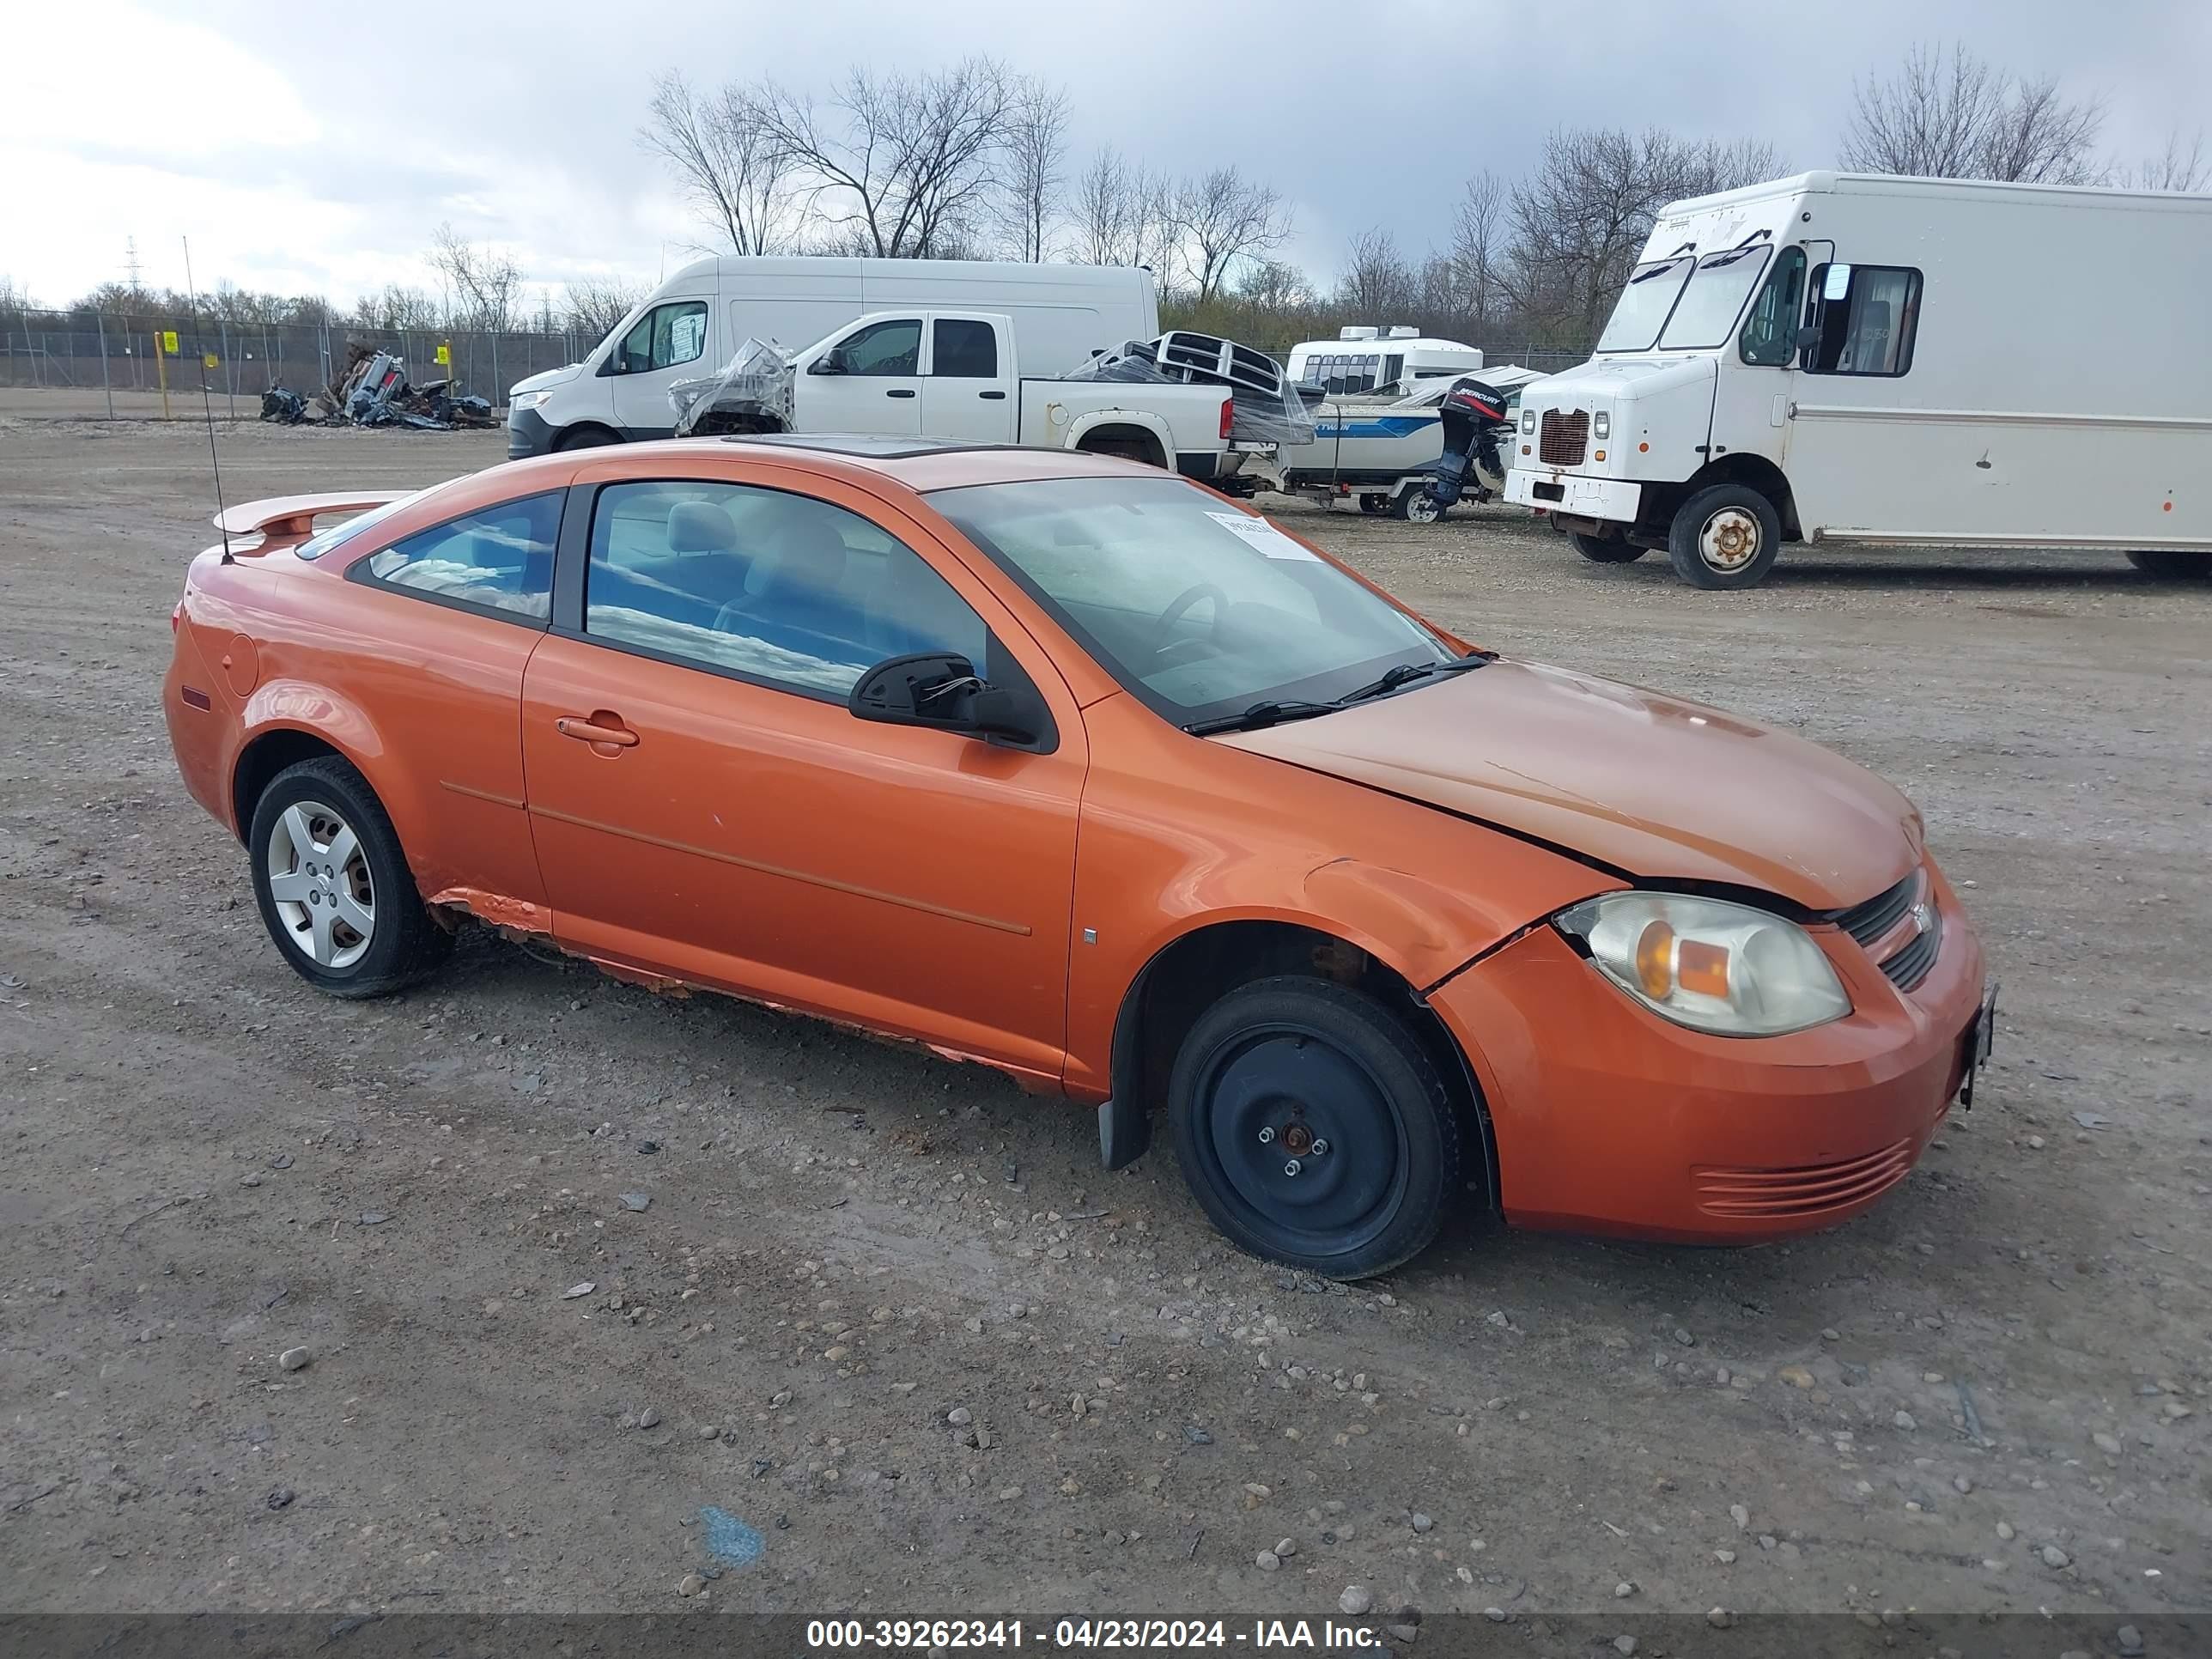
[(319, 881)]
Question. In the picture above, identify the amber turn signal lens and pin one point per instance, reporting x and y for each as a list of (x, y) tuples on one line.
[(1703, 968), (1644, 449), (1655, 960)]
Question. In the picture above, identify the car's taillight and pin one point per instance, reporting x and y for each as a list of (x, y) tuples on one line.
[(1228, 415), (177, 616)]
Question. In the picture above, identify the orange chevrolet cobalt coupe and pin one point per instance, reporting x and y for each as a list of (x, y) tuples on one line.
[(1053, 762)]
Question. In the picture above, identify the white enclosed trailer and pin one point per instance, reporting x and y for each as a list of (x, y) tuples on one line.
[(1849, 358)]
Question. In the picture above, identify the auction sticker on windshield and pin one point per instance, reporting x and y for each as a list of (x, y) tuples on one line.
[(1262, 536)]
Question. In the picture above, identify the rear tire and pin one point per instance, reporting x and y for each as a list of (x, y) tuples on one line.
[(1607, 549), (1123, 449), (1725, 539), (333, 885), (1313, 1129), (2171, 564)]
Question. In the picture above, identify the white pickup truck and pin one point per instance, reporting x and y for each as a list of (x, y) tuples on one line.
[(956, 375)]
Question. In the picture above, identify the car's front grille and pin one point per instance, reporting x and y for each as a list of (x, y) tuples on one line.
[(1874, 923), (1910, 965), (1564, 437), (1868, 922)]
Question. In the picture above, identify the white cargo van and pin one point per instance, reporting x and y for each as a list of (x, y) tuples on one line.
[(1063, 315), (1849, 358)]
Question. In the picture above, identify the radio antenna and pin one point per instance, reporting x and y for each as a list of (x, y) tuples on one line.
[(207, 403)]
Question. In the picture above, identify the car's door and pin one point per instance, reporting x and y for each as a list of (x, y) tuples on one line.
[(704, 805), (430, 635), (868, 380), (666, 344), (968, 382)]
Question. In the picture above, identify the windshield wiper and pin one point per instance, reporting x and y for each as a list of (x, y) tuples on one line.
[(1405, 673), (1260, 716)]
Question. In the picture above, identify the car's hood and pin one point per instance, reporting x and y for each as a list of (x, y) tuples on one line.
[(1633, 780), (1617, 379), (546, 377)]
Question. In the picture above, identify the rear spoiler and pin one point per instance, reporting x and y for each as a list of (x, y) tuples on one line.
[(292, 518)]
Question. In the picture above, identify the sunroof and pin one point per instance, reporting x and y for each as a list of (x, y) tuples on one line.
[(873, 446)]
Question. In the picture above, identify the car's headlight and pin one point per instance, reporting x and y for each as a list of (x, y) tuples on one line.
[(1708, 964), (522, 400), (1602, 423), (1527, 420)]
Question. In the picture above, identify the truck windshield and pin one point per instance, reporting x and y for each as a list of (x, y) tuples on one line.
[(1198, 608), (1642, 310), (1715, 299)]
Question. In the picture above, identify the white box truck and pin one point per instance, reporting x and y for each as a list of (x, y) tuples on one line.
[(1839, 358), (696, 320)]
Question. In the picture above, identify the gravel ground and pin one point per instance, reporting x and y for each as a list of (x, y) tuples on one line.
[(309, 1305)]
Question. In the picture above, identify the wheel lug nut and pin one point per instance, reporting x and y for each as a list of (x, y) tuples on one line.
[(1292, 1168), (1267, 1134), (1320, 1147)]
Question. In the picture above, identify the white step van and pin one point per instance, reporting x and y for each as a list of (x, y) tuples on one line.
[(1851, 358), (1062, 315)]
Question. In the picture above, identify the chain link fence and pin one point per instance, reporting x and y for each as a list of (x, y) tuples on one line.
[(89, 351)]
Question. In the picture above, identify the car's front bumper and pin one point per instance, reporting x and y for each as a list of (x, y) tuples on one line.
[(1613, 499), (528, 434), (1607, 1119)]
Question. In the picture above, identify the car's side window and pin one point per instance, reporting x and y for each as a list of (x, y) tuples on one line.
[(665, 337), (964, 349), (500, 559), (887, 348), (776, 588)]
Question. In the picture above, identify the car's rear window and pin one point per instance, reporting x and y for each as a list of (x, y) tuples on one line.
[(346, 529)]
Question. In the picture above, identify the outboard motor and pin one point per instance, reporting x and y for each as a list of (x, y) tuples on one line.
[(1473, 417)]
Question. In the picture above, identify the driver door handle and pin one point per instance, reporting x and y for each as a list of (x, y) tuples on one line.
[(900, 391), (995, 397), (602, 727)]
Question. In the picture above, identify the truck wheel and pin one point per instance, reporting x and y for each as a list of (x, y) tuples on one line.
[(1313, 1128), (584, 437), (1725, 538), (1416, 507), (1608, 550), (1375, 504), (2171, 564)]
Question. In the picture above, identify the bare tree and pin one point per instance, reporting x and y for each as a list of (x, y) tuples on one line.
[(1581, 218), (902, 163), (1474, 250), (1123, 216), (1376, 282), (1036, 152), (1275, 285), (1221, 217), (2174, 167), (1953, 115), (594, 306), (395, 308), (722, 155), (485, 281)]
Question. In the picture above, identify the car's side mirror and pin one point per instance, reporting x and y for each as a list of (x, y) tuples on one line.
[(827, 363), (1808, 337), (940, 688)]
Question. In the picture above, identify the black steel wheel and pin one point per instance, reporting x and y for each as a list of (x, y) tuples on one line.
[(1313, 1129)]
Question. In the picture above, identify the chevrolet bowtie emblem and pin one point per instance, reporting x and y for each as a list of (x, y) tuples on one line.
[(1922, 917)]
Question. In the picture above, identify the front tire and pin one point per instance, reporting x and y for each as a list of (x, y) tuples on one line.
[(1607, 549), (2171, 564), (1725, 539), (333, 885), (1313, 1129), (584, 437)]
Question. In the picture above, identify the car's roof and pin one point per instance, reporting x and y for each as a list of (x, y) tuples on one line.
[(918, 464)]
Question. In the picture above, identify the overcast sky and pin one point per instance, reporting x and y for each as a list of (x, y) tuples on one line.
[(316, 148)]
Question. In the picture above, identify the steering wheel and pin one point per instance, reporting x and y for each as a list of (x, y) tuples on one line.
[(1173, 614)]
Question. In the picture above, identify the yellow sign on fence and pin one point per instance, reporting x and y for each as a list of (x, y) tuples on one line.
[(169, 342), (444, 357), (209, 360)]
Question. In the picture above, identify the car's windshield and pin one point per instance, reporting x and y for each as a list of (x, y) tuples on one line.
[(1198, 608), (1644, 305), (1715, 299)]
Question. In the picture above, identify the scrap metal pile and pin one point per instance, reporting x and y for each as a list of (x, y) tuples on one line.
[(374, 390), (1269, 409)]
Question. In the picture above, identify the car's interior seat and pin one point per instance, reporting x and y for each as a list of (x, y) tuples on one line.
[(794, 595)]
